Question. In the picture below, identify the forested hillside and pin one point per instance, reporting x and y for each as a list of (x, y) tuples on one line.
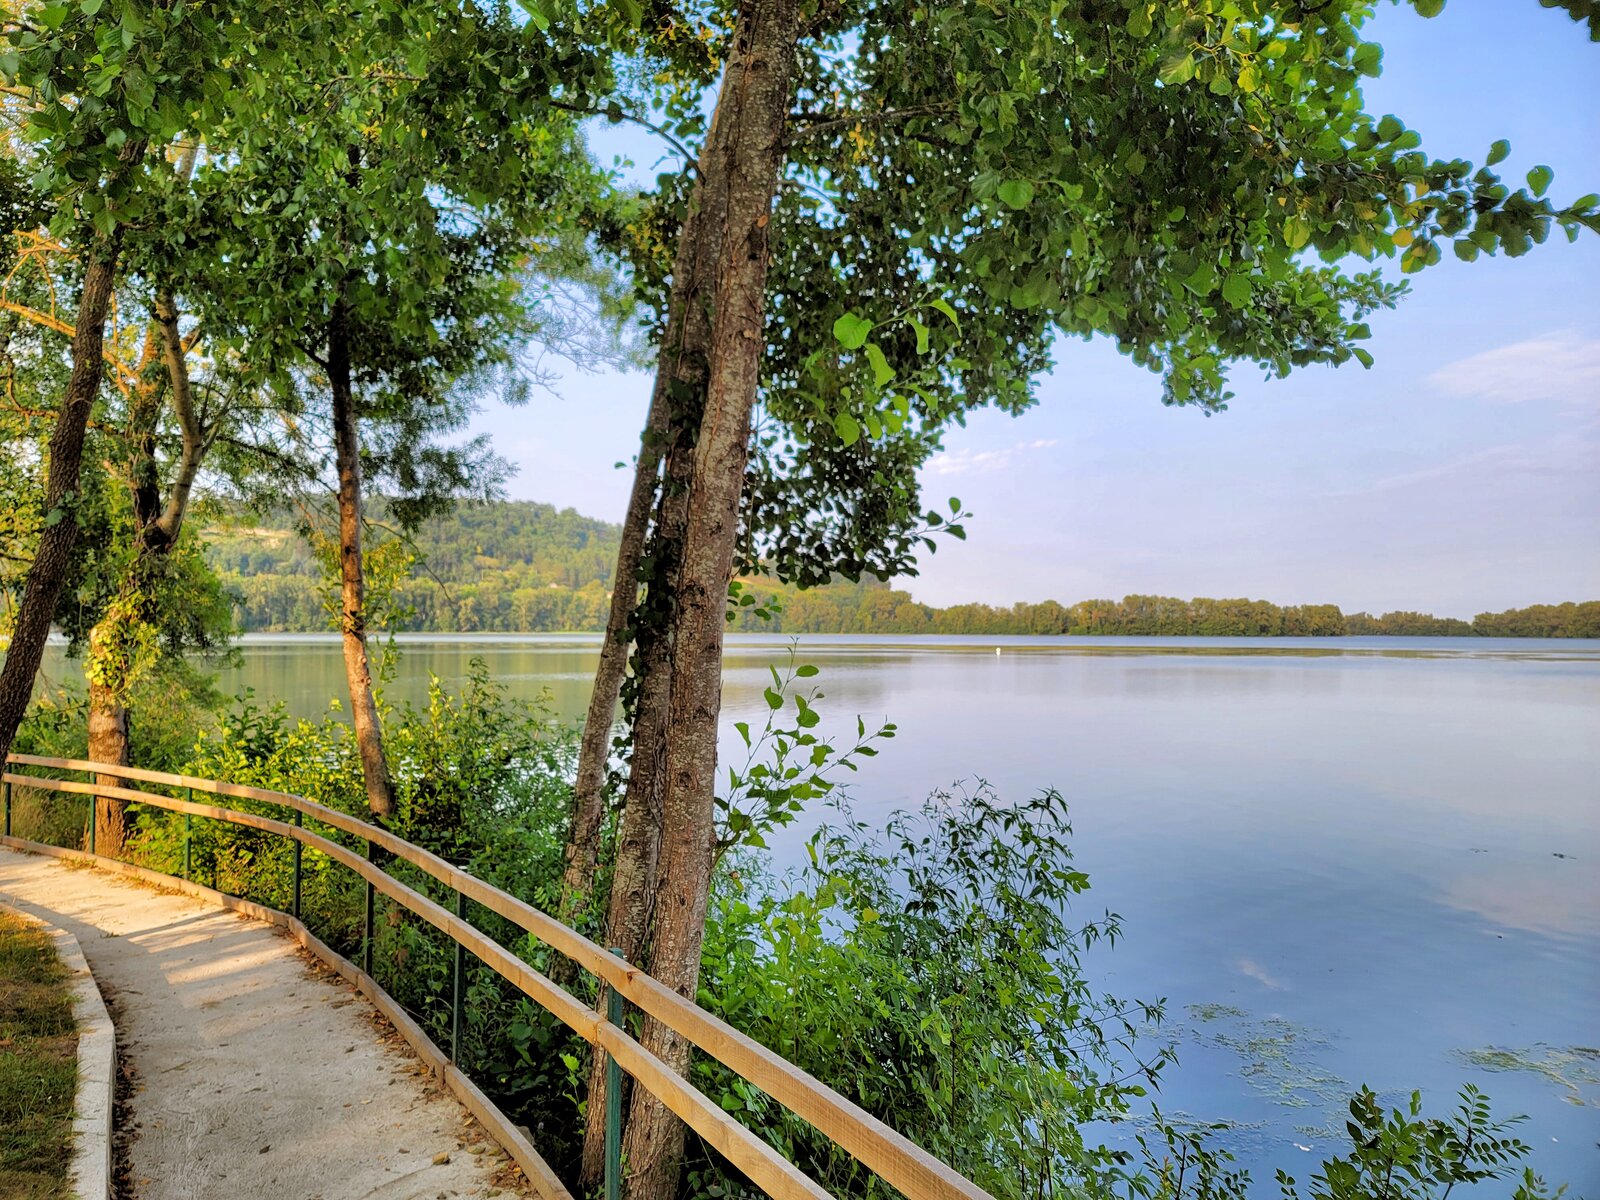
[(518, 566), (511, 565)]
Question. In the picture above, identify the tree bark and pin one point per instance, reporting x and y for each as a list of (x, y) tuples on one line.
[(680, 392), (53, 557), (352, 580), (739, 172), (679, 399)]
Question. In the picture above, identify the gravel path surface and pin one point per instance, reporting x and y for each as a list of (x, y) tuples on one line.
[(255, 1072)]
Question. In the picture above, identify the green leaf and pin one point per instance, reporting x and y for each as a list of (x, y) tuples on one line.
[(90, 7), (1498, 152), (882, 372), (848, 429), (1364, 357), (1539, 179), (774, 699), (851, 331), (1429, 8), (1296, 232), (1015, 193), (1236, 290), (1465, 250), (805, 671), (1139, 23), (1202, 281), (51, 15), (921, 332), (1177, 70), (943, 306), (1369, 59)]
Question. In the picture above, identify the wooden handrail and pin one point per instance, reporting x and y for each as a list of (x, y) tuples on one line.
[(893, 1157)]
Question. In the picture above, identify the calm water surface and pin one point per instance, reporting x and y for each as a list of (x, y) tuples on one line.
[(1341, 862)]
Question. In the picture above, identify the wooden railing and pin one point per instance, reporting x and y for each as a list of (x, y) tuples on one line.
[(896, 1160)]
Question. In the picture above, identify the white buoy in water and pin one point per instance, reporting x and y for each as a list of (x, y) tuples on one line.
[(997, 650)]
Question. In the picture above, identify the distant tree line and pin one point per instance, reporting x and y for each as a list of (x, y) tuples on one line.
[(876, 608), (522, 567)]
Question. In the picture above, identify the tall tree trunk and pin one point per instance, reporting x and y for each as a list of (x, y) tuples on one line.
[(679, 399), (738, 175), (352, 580), (680, 391), (53, 557)]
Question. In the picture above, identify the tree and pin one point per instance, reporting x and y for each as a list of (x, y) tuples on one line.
[(106, 91), (375, 219), (894, 210)]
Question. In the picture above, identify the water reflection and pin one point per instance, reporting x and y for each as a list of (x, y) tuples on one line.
[(1355, 838)]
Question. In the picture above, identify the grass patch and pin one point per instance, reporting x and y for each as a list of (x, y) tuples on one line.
[(38, 1065)]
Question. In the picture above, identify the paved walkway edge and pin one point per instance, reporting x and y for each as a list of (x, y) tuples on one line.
[(97, 1067), (496, 1124)]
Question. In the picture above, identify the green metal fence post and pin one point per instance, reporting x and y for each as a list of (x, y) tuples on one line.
[(188, 857), (295, 908), (366, 943), (8, 808), (613, 1099), (94, 813), (458, 987)]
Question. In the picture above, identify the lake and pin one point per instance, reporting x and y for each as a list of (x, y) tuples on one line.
[(1340, 861)]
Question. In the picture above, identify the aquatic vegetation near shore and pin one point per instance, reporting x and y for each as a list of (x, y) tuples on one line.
[(1574, 1068), (1278, 1058)]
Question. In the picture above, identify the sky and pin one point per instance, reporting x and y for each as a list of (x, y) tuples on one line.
[(1460, 474)]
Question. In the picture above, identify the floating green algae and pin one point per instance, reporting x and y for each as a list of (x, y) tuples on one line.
[(1277, 1058), (1573, 1068)]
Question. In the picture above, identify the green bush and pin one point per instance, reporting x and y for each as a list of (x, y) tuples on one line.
[(929, 972)]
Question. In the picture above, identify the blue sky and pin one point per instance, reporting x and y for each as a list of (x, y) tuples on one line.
[(1461, 473)]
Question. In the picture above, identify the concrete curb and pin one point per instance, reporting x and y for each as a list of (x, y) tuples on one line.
[(97, 1067)]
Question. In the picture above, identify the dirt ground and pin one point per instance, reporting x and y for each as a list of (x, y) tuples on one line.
[(253, 1072)]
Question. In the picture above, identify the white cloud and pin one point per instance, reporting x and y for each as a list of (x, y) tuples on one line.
[(1564, 367), (972, 462)]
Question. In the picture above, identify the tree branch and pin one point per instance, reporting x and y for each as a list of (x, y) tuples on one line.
[(616, 114), (821, 125)]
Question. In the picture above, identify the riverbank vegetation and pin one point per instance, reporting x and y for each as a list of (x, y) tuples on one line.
[(38, 1064), (521, 567), (274, 259)]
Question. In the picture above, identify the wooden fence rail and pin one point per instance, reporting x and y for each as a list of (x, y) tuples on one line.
[(894, 1158)]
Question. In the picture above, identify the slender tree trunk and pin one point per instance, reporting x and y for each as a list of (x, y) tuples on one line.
[(53, 557), (156, 530), (108, 713), (588, 793), (353, 615), (108, 743), (680, 396), (680, 390), (739, 174)]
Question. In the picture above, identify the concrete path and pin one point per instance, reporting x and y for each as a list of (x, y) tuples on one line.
[(256, 1073)]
